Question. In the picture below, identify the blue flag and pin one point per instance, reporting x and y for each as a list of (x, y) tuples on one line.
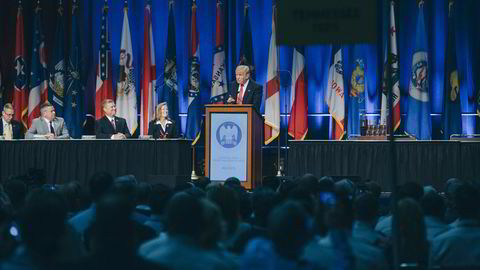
[(56, 83), (358, 86), (194, 117), (452, 117), (419, 123), (169, 93), (246, 48), (74, 95)]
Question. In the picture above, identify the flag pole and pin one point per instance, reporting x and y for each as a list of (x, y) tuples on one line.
[(193, 175)]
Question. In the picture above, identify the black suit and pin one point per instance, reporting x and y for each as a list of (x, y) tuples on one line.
[(157, 131), (252, 95), (104, 128), (16, 129)]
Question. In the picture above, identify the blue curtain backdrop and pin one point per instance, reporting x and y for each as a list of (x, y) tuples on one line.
[(260, 12)]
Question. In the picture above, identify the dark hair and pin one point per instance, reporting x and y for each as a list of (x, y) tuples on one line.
[(184, 216), (433, 205), (264, 201), (288, 229), (99, 184), (159, 198), (366, 207), (411, 190), (466, 200), (42, 221), (413, 245), (227, 200)]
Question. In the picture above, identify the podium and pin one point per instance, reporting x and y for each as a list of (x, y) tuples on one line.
[(233, 143)]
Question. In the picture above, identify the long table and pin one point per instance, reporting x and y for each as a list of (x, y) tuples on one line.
[(426, 162), (68, 160)]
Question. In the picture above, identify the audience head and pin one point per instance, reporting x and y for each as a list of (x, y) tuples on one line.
[(212, 218), (309, 182), (263, 202), (366, 208), (326, 184), (75, 195), (99, 184), (185, 216), (227, 200), (374, 188), (16, 191), (466, 201), (433, 205), (109, 107), (202, 182), (42, 222), (413, 245), (113, 227), (232, 182), (7, 113), (48, 111), (288, 229), (345, 187), (159, 198), (411, 190)]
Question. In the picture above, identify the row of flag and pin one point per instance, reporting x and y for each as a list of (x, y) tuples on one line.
[(61, 82)]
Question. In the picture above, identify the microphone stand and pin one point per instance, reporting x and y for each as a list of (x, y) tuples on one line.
[(285, 99)]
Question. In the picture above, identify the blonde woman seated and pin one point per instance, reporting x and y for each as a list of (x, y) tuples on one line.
[(162, 127)]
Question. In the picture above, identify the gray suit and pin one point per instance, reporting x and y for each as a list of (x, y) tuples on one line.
[(40, 127)]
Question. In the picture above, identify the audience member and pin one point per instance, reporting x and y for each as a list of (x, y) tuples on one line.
[(433, 207), (458, 247)]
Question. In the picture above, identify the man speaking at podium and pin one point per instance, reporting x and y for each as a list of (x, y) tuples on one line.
[(244, 90)]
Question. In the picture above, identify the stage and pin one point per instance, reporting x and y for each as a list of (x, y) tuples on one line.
[(69, 160), (426, 162)]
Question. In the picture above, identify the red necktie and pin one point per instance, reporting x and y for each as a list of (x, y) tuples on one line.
[(240, 95)]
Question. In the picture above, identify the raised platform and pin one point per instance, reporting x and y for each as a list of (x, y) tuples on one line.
[(426, 162)]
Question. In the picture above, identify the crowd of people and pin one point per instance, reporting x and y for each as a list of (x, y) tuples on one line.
[(302, 223)]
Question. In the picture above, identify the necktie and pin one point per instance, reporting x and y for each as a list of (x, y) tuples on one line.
[(113, 124), (8, 131), (240, 95), (51, 128)]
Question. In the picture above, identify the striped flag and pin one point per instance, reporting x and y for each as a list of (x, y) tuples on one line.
[(56, 83), (170, 82), (392, 31), (419, 123), (104, 69), (149, 94), (298, 122), (126, 92), (219, 74), (194, 116), (20, 92), (272, 102), (334, 96), (452, 117), (246, 48), (38, 73), (75, 90)]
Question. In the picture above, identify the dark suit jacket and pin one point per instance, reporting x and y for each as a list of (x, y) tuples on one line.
[(104, 129), (252, 95), (16, 129), (157, 131)]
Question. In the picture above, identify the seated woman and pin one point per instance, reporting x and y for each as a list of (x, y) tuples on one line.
[(162, 127)]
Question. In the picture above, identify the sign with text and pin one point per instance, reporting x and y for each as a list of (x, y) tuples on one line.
[(326, 22), (229, 143)]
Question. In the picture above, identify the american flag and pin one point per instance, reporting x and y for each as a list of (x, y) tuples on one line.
[(104, 71)]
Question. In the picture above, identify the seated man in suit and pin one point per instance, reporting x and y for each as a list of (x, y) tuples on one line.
[(162, 127), (244, 90), (111, 126), (48, 126), (10, 129)]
